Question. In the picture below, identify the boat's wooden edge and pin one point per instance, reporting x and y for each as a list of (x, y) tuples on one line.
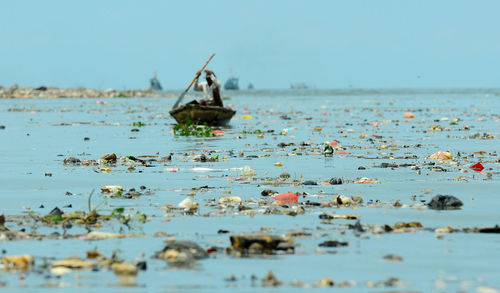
[(193, 106)]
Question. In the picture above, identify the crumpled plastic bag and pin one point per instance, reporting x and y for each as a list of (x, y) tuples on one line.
[(478, 167)]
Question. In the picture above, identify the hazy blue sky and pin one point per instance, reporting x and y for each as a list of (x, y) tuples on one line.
[(326, 44)]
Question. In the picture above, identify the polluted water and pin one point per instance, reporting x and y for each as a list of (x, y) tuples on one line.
[(357, 190)]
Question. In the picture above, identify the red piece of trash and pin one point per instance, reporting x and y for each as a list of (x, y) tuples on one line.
[(212, 250), (343, 153), (334, 143), (287, 197), (477, 167)]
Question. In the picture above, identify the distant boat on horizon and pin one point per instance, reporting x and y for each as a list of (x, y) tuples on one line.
[(155, 84), (232, 84), (299, 86)]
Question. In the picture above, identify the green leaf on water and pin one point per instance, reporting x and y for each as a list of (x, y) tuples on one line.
[(139, 124), (56, 219), (117, 211)]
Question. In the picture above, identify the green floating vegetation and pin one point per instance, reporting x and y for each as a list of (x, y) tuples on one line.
[(139, 124), (190, 129), (94, 218), (258, 131)]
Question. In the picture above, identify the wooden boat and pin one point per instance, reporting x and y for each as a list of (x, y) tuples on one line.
[(210, 115)]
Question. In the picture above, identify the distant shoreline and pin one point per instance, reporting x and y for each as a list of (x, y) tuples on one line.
[(15, 91)]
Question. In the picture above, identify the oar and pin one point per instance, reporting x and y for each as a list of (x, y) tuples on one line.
[(189, 86)]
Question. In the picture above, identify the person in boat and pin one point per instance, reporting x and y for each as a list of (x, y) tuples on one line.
[(155, 83), (210, 88)]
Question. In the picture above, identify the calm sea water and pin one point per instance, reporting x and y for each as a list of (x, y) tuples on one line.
[(40, 133)]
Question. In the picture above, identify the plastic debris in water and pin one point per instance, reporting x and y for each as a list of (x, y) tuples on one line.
[(188, 204), (328, 150), (288, 197), (365, 180), (477, 167), (408, 115), (218, 132), (343, 153), (441, 155), (202, 170), (248, 171)]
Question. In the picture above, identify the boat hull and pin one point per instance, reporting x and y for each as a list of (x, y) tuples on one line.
[(232, 84), (198, 114)]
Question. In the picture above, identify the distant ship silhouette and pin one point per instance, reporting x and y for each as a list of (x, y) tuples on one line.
[(232, 82)]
